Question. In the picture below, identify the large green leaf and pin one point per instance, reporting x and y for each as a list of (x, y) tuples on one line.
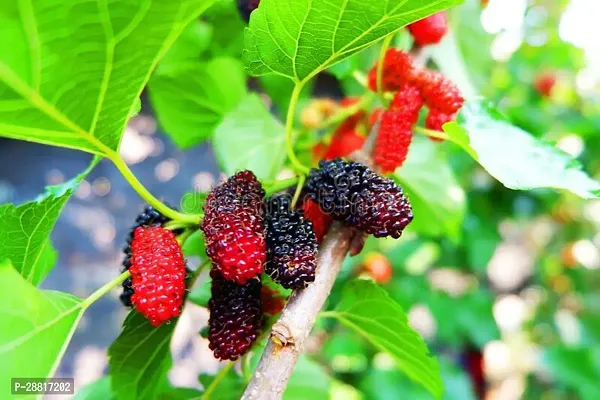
[(25, 230), (74, 68), (191, 99), (368, 310), (37, 326), (514, 157), (140, 358), (309, 381), (301, 38), (98, 390), (250, 138), (438, 201)]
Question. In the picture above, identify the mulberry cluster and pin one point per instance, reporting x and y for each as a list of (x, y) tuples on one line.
[(292, 245), (429, 30), (234, 227), (357, 196), (235, 316), (414, 88), (148, 217), (157, 274), (395, 132)]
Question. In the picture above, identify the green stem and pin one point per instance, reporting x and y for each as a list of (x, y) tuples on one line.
[(346, 112), (183, 236), (278, 186), (361, 78), (384, 48), (298, 190), (245, 362), (289, 131), (173, 225), (148, 197), (215, 383), (104, 289)]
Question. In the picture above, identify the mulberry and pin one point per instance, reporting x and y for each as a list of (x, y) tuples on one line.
[(234, 227), (439, 92), (429, 30), (436, 119), (393, 140), (321, 221), (356, 195), (148, 217), (397, 70), (235, 316), (157, 274), (395, 132), (343, 144), (292, 245), (245, 7)]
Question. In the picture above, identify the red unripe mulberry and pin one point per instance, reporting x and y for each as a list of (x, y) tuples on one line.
[(157, 274), (397, 70), (395, 132), (234, 227), (321, 221), (439, 92), (429, 30)]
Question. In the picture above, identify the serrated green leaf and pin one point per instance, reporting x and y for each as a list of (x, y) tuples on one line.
[(300, 39), (514, 157), (139, 358), (25, 229), (368, 310), (438, 202), (250, 138), (110, 47), (190, 100), (37, 326)]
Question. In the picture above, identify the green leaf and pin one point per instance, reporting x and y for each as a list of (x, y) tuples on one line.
[(200, 294), (98, 390), (309, 381), (140, 358), (438, 202), (194, 245), (368, 310), (190, 100), (574, 367), (25, 229), (110, 48), (250, 138), (37, 326), (300, 40), (194, 40), (514, 157)]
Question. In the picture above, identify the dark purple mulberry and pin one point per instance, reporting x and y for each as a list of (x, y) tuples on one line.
[(235, 316), (356, 195), (234, 227), (291, 244), (246, 7)]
